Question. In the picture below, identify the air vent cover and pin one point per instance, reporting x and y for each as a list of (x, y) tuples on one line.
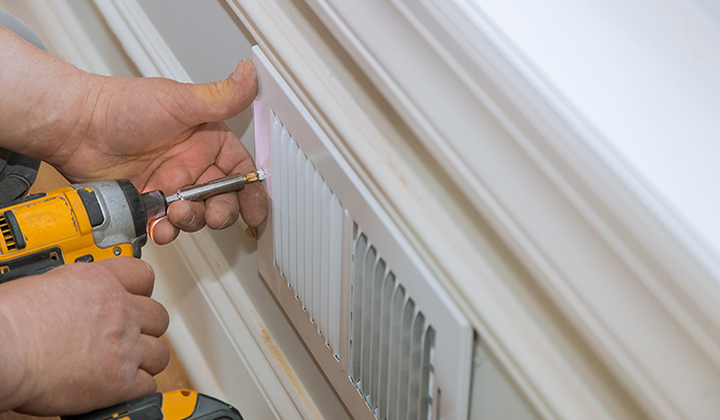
[(388, 337)]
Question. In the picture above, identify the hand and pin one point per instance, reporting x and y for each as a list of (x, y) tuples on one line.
[(158, 133), (80, 337)]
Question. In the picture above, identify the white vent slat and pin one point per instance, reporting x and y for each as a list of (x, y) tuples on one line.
[(325, 262), (368, 269), (334, 290), (309, 179), (426, 386), (275, 133), (285, 201), (404, 358), (389, 291), (394, 360), (416, 366), (291, 209), (357, 311), (317, 247), (300, 163), (376, 323), (368, 308)]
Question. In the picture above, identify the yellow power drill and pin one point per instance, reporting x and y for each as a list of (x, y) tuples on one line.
[(95, 221), (176, 405), (89, 222)]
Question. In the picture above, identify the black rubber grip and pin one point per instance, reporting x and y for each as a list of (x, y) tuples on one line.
[(209, 408), (15, 229), (92, 206), (143, 408), (29, 265), (23, 200), (134, 200)]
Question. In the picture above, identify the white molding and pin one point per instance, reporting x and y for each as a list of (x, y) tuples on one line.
[(620, 277), (141, 41), (68, 38), (589, 232), (255, 346)]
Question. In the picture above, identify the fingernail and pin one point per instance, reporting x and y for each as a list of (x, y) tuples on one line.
[(251, 232), (240, 70)]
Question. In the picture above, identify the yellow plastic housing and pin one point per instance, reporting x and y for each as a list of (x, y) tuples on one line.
[(58, 219), (179, 405)]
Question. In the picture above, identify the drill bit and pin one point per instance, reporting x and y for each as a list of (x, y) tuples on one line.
[(156, 203)]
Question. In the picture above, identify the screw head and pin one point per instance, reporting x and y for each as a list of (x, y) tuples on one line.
[(117, 251)]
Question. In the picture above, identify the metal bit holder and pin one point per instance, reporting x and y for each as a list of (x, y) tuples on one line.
[(204, 191)]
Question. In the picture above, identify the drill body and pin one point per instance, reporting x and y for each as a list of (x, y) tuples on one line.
[(78, 223), (175, 405)]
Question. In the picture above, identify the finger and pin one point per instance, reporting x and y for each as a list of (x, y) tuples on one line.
[(252, 198), (136, 276), (163, 232), (253, 204), (152, 316), (235, 159), (222, 210), (143, 384), (155, 355), (219, 101), (187, 216), (192, 217)]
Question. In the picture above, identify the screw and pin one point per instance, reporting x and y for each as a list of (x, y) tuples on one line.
[(117, 251)]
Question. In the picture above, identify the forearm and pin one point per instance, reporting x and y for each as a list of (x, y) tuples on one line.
[(12, 361), (43, 98)]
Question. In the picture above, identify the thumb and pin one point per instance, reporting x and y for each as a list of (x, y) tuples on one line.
[(219, 101)]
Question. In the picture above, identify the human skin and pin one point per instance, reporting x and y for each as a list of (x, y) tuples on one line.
[(59, 353)]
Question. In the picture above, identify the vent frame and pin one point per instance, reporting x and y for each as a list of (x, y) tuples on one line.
[(453, 358)]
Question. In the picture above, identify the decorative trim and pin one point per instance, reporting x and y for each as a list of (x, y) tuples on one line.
[(141, 41), (67, 36), (619, 315), (582, 224), (252, 343)]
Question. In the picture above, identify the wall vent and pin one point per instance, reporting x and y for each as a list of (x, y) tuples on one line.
[(387, 336)]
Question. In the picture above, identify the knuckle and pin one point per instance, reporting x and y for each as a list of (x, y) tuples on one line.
[(164, 356), (163, 317)]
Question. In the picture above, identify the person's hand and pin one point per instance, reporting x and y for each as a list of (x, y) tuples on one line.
[(80, 337), (158, 133)]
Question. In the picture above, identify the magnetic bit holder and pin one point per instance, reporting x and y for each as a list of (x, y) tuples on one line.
[(204, 191)]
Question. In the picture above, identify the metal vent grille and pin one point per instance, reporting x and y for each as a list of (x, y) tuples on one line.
[(7, 234), (307, 234), (378, 323), (392, 347), (391, 344)]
